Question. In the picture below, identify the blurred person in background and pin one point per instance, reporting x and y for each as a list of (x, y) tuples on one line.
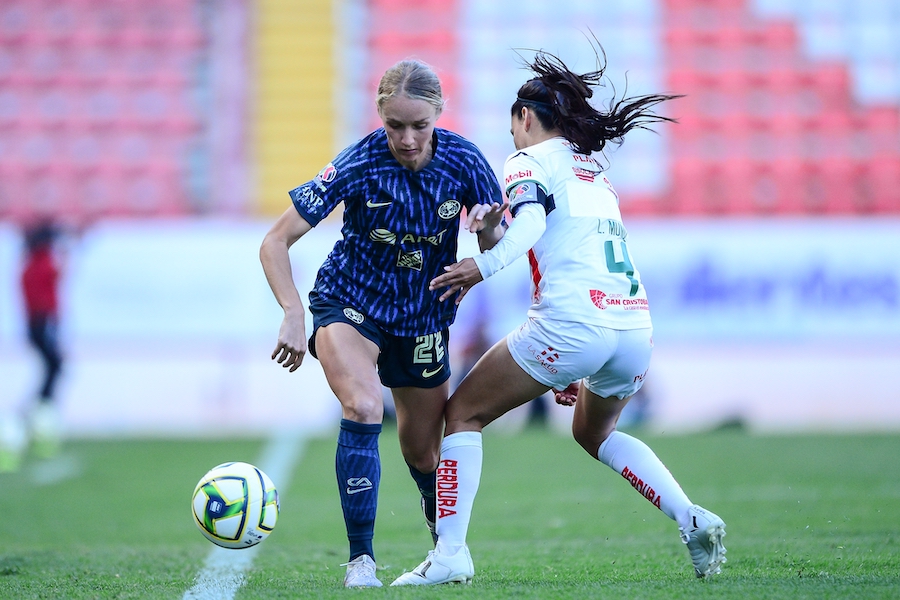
[(40, 292), (589, 320), (375, 321)]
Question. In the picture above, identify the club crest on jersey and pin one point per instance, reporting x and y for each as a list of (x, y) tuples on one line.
[(449, 209), (383, 236), (354, 315), (411, 260)]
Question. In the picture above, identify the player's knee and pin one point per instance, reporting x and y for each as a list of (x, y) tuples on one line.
[(583, 437), (362, 409), (424, 462), (589, 437)]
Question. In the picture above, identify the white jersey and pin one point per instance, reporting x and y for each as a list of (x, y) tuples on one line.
[(580, 267)]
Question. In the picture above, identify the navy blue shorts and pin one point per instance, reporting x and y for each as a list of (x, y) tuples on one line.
[(421, 361)]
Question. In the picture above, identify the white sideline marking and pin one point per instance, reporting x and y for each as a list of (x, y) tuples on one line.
[(223, 572)]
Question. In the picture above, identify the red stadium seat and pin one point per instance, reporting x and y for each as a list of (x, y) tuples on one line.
[(830, 83), (880, 181), (879, 131)]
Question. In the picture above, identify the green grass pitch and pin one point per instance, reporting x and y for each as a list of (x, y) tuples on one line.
[(809, 516)]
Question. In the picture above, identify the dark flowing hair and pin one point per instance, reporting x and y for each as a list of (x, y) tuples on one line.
[(560, 100)]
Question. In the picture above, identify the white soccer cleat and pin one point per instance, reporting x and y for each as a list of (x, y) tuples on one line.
[(361, 573), (703, 537), (438, 568)]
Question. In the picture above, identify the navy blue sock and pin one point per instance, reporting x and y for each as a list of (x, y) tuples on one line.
[(426, 482), (358, 469)]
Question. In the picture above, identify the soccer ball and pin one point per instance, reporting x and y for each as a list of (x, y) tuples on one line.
[(235, 505)]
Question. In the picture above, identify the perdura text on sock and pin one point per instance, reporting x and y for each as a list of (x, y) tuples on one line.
[(645, 490), (447, 488)]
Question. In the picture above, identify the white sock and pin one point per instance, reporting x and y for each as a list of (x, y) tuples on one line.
[(637, 463), (458, 476)]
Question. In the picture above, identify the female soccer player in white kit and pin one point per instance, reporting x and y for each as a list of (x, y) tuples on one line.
[(589, 320)]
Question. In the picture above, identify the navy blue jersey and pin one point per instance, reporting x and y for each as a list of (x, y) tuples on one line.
[(400, 228)]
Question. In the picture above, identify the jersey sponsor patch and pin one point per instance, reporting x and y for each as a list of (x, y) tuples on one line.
[(327, 174), (518, 175), (411, 260), (545, 357), (585, 174), (305, 196)]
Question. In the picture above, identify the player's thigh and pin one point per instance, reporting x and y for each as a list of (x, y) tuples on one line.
[(420, 423), (348, 359), (604, 394), (494, 386)]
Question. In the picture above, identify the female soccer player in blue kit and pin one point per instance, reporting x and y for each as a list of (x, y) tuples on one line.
[(375, 320), (589, 320)]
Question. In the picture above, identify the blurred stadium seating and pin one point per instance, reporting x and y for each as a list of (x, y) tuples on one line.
[(766, 129), (790, 108), (97, 115)]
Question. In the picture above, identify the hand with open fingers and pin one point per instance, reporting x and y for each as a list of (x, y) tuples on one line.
[(460, 277), (485, 216), (567, 396), (291, 346)]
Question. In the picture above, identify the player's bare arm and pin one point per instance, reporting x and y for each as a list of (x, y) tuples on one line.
[(273, 254)]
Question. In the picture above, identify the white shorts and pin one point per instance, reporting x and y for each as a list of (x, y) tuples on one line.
[(556, 353)]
